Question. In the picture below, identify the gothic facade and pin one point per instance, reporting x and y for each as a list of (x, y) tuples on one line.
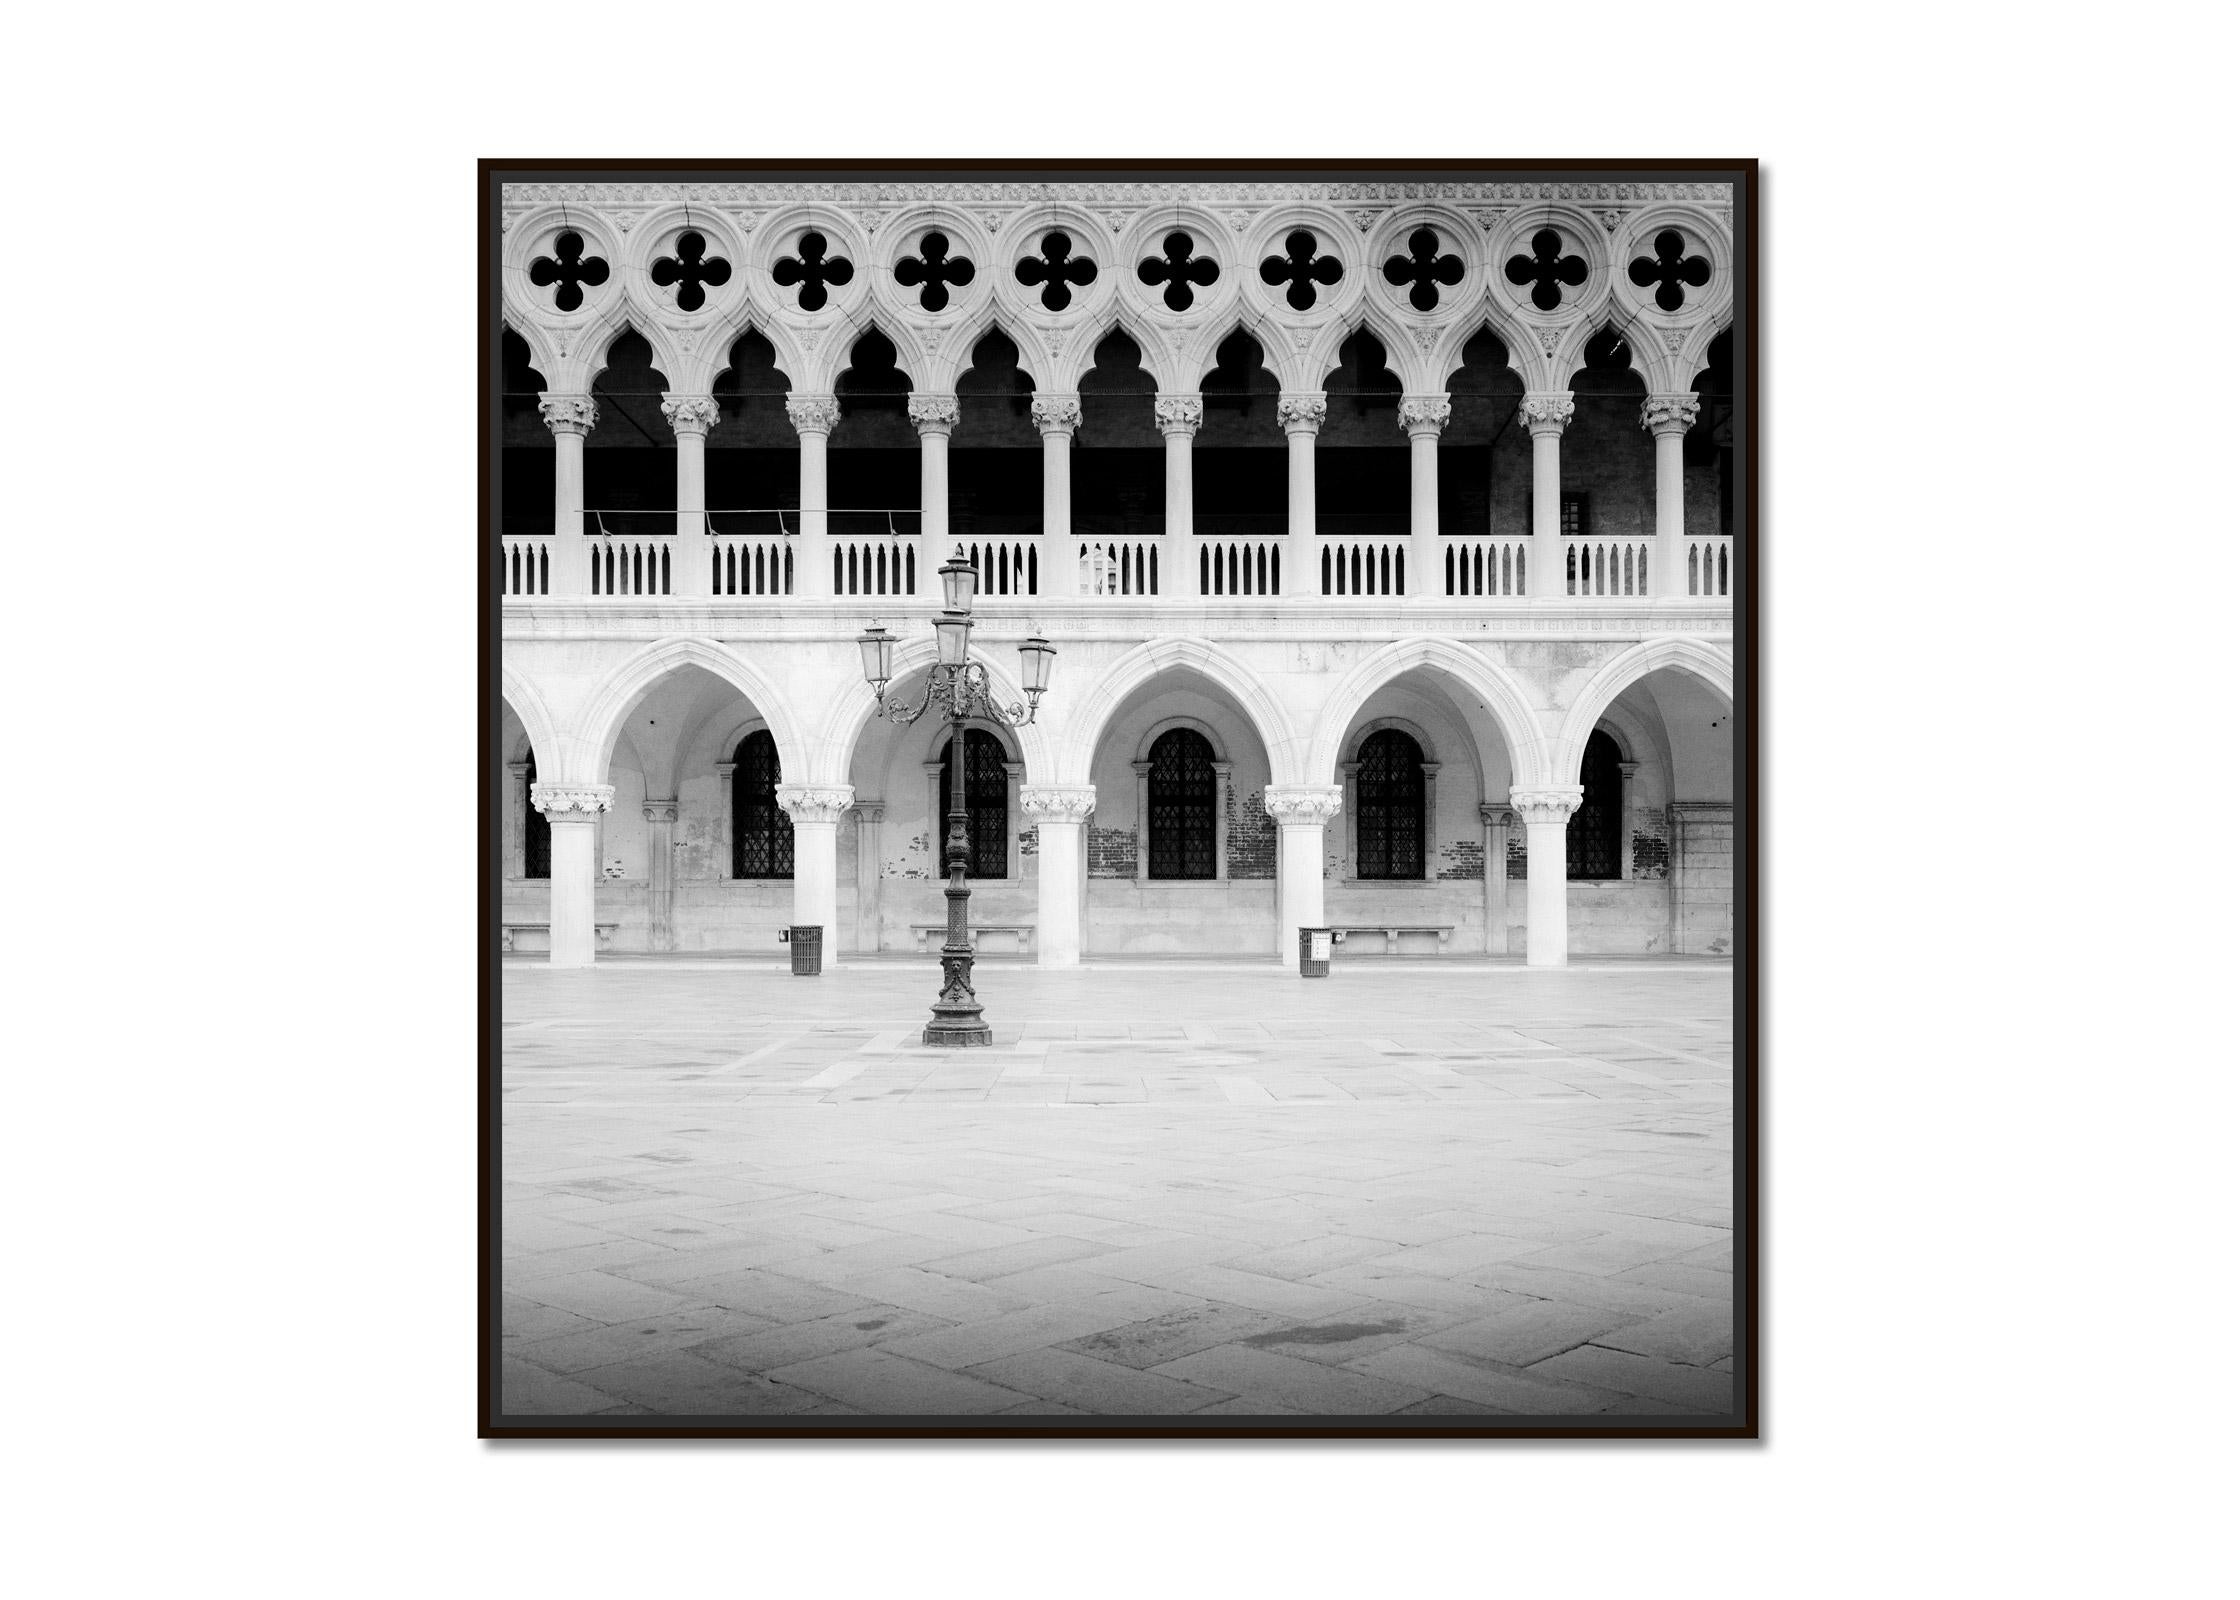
[(1388, 535)]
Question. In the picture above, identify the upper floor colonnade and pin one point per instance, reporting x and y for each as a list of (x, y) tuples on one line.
[(1303, 270)]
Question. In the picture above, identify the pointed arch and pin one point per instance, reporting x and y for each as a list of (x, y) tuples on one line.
[(1713, 665), (1086, 722), (528, 704), (589, 744), (833, 750), (1480, 674)]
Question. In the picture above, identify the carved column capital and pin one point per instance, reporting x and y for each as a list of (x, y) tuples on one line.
[(871, 810), (1302, 413), (660, 810), (690, 415), (1495, 815), (1626, 769), (1550, 805), (1179, 413), (1669, 413), (572, 802), (1142, 768), (813, 413), (1296, 805), (1055, 412), (1057, 802), (933, 415), (517, 770), (1425, 415), (724, 769), (1547, 413), (815, 802), (574, 414)]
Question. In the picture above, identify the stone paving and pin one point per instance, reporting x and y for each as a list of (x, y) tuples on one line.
[(1174, 1191)]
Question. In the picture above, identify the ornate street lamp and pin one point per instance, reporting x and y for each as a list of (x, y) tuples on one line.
[(959, 686)]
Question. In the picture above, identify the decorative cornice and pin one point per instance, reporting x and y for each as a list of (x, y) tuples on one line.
[(660, 810), (806, 802), (1296, 805), (1055, 413), (1071, 802), (1551, 805), (1669, 413), (1425, 414), (1126, 196), (692, 414), (1301, 413), (1179, 413), (568, 413), (933, 413), (1546, 413), (571, 801), (813, 413)]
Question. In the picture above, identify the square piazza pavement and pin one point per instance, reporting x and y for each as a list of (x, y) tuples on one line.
[(1168, 1190)]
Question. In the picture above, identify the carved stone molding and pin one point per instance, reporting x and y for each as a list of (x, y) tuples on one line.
[(572, 802), (1547, 413), (1425, 414), (692, 414), (660, 810), (1055, 413), (933, 413), (813, 413), (568, 413), (1552, 805), (1296, 805), (1179, 413), (1669, 413), (815, 802), (1496, 815), (1302, 413), (1071, 802)]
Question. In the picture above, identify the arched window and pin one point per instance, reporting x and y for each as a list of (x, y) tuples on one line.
[(1591, 842), (761, 832), (987, 807), (536, 830), (1181, 797), (1388, 806)]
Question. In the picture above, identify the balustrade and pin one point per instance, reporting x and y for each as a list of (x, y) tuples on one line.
[(1240, 566), (630, 564), (1357, 566), (751, 564), (1706, 564), (525, 565), (1119, 567), (1606, 567), (1486, 567)]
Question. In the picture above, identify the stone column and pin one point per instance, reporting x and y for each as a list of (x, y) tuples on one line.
[(574, 810), (1055, 418), (1058, 812), (1430, 819), (661, 877), (1349, 834), (1300, 811), (1496, 819), (690, 417), (869, 815), (1221, 772), (1545, 417), (1301, 416), (1011, 774), (724, 769), (813, 416), (1423, 418), (935, 417), (1668, 417), (1179, 417), (1547, 909), (1143, 820), (816, 810), (511, 841), (1626, 792), (570, 417)]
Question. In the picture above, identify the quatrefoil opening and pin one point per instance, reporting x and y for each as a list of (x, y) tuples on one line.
[(1178, 269), (813, 269), (932, 270), (1302, 269), (1674, 271), (1057, 269), (571, 271), (1547, 269), (1425, 269), (690, 269)]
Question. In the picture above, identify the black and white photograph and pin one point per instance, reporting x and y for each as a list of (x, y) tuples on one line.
[(1118, 799)]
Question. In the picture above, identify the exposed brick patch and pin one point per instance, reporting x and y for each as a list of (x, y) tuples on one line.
[(1252, 836), (1652, 849), (1030, 839), (1516, 856), (1465, 858), (1112, 852)]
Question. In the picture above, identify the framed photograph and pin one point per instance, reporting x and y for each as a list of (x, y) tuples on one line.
[(1118, 799)]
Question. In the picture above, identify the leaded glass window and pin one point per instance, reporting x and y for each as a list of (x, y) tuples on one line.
[(1388, 806), (1591, 842), (1182, 798), (987, 807), (536, 830), (761, 832)]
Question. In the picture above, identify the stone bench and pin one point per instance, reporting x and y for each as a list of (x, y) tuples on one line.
[(602, 934), (932, 935), (1392, 933)]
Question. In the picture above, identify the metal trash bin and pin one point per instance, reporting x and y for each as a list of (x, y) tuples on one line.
[(1314, 952), (807, 939)]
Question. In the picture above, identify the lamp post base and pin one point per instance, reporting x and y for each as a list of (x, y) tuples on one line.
[(956, 1015)]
